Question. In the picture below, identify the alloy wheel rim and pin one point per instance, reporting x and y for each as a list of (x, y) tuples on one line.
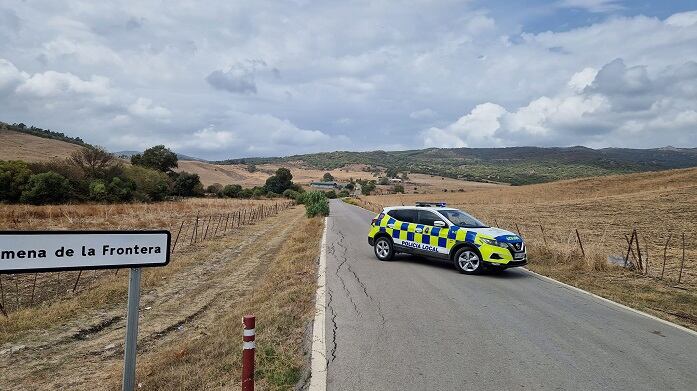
[(468, 261), (383, 249)]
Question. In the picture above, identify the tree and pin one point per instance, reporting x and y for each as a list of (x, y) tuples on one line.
[(398, 189), (384, 181), (328, 177), (331, 194), (215, 188), (14, 175), (368, 187), (232, 191), (93, 161), (98, 190), (350, 186), (187, 184), (391, 172), (46, 188), (251, 167), (157, 157), (279, 182), (344, 194)]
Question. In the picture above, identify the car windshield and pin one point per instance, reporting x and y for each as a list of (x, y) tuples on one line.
[(462, 219)]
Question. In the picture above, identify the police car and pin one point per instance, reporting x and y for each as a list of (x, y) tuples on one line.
[(433, 230)]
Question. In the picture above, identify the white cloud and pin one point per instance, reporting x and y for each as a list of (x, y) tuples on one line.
[(592, 5), (54, 84), (683, 19), (422, 114), (144, 107)]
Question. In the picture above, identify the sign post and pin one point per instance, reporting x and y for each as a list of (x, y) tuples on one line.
[(52, 251), (129, 355)]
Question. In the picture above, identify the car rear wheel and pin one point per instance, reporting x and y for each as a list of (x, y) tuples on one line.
[(468, 261), (384, 250)]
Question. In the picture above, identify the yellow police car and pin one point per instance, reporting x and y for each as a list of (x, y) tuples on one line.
[(433, 230)]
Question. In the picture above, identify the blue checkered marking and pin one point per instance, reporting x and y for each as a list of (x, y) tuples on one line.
[(382, 229), (435, 231), (410, 236), (405, 226), (452, 233), (426, 239), (442, 242), (395, 233), (391, 221), (469, 237)]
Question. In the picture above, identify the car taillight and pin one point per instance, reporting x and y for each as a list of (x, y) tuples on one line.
[(376, 219)]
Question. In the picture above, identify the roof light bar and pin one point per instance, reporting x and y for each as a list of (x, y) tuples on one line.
[(431, 204)]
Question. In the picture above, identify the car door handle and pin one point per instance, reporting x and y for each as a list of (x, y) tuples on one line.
[(419, 230), (390, 225)]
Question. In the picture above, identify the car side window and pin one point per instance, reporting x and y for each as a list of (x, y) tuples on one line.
[(405, 215), (428, 218)]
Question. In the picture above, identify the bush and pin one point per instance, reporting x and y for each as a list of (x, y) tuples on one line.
[(316, 203), (187, 185), (46, 188), (14, 176), (292, 194), (258, 191), (121, 189), (344, 194), (98, 191), (216, 189), (398, 189), (151, 185), (331, 194), (232, 191)]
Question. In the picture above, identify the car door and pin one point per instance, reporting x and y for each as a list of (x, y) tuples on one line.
[(433, 240), (403, 229)]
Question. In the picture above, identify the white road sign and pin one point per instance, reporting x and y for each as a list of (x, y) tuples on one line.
[(37, 251)]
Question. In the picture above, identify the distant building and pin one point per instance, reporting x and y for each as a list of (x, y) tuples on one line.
[(325, 185), (395, 180)]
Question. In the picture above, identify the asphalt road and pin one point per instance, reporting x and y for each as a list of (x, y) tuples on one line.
[(416, 324)]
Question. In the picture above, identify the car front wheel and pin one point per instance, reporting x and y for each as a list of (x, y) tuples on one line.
[(468, 261), (384, 250)]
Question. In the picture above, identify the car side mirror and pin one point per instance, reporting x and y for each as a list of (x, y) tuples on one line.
[(439, 223)]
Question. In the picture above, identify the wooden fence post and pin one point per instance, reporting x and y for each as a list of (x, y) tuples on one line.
[(77, 280), (176, 239), (33, 289), (665, 249), (682, 262), (580, 243), (629, 248), (638, 251)]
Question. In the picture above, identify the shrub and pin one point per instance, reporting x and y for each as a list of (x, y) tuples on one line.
[(328, 177), (316, 203), (331, 194), (258, 191), (292, 194), (98, 191), (151, 185), (398, 189), (121, 189), (94, 162), (232, 191), (187, 184), (344, 193), (46, 188), (215, 188), (14, 176)]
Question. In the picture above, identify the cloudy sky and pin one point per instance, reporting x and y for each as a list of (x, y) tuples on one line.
[(225, 79)]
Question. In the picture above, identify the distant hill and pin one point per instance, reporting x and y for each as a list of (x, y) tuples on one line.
[(43, 133), (30, 148), (180, 156), (515, 165)]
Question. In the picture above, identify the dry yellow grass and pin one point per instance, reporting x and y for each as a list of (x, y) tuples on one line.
[(17, 291), (22, 146), (190, 317), (603, 210)]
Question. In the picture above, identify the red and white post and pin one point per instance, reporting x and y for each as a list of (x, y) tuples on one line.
[(248, 349)]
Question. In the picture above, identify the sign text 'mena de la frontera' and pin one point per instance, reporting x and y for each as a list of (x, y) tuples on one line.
[(37, 251)]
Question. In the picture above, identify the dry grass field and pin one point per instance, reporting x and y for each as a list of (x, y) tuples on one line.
[(189, 310), (179, 217), (603, 210), (22, 146)]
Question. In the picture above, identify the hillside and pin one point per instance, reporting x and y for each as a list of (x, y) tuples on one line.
[(515, 165), (31, 148)]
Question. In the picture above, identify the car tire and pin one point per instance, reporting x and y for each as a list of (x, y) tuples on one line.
[(468, 261), (384, 250)]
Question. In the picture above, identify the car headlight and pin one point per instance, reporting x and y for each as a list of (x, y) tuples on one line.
[(493, 242)]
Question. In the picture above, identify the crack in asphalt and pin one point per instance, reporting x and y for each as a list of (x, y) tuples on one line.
[(334, 328)]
